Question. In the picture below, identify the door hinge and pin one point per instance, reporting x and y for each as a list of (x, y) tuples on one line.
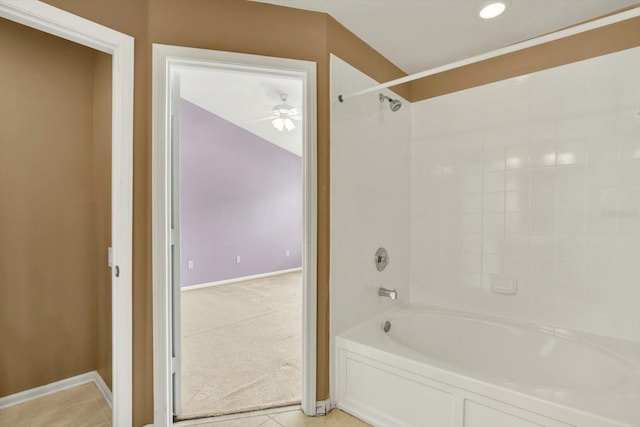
[(172, 236), (174, 364)]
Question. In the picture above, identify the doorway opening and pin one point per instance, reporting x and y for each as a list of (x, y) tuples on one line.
[(239, 199), (234, 237)]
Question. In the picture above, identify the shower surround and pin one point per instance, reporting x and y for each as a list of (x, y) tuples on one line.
[(530, 186), (535, 178)]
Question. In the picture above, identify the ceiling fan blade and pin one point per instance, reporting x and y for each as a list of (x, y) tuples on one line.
[(262, 119)]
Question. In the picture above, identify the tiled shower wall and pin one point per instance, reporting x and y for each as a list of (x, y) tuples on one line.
[(370, 180), (536, 179)]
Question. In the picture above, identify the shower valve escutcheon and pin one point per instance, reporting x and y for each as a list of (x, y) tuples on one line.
[(389, 293)]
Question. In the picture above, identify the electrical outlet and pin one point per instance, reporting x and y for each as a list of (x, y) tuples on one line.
[(190, 264), (237, 259)]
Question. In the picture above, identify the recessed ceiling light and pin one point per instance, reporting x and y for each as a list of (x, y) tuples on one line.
[(491, 10)]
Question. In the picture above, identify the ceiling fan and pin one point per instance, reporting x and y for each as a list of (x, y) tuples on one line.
[(283, 115)]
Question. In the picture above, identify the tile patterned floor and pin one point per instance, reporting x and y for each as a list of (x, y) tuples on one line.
[(291, 418), (81, 406), (84, 406)]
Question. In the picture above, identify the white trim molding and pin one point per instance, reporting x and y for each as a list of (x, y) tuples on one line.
[(58, 22), (239, 279), (56, 387), (167, 59), (103, 388)]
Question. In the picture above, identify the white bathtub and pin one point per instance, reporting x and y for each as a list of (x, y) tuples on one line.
[(443, 368)]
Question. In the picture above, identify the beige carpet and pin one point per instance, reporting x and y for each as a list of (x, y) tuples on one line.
[(242, 346)]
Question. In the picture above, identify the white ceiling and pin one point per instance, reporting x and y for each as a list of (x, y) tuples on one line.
[(245, 99), (417, 35)]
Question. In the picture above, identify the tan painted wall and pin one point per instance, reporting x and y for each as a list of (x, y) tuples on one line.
[(49, 246)]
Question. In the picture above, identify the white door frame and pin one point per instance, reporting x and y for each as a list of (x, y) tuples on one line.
[(165, 59), (49, 19)]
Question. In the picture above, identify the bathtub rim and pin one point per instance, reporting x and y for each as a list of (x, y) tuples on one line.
[(618, 348), (364, 340)]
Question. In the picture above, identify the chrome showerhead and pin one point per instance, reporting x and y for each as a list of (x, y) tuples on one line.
[(394, 104)]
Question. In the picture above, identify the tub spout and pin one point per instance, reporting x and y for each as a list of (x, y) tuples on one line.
[(383, 292)]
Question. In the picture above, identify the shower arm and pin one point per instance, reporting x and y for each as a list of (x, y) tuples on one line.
[(597, 23)]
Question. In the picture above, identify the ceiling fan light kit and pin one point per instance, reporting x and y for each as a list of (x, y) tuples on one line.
[(283, 123), (283, 114)]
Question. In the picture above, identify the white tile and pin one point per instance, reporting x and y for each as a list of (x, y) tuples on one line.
[(630, 171), (573, 127), (516, 222), (516, 201), (602, 148), (571, 177), (572, 224), (570, 246), (543, 201), (549, 180), (517, 245), (601, 223), (517, 157), (571, 201), (517, 180), (629, 200), (472, 223), (630, 146), (493, 264), (493, 181), (472, 242), (542, 131), (604, 173), (471, 183), (517, 267), (471, 281), (542, 246), (493, 243), (570, 291), (569, 270), (543, 179), (470, 161), (543, 223), (542, 155), (493, 202), (541, 276), (570, 153), (602, 198), (494, 138), (494, 160), (472, 262), (472, 203), (493, 222)]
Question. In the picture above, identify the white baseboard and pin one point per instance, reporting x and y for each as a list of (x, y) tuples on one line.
[(105, 391), (239, 279), (47, 389)]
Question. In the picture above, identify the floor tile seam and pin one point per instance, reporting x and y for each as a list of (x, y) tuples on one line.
[(272, 419)]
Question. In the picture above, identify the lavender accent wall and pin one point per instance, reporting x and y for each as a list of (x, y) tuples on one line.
[(240, 196)]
